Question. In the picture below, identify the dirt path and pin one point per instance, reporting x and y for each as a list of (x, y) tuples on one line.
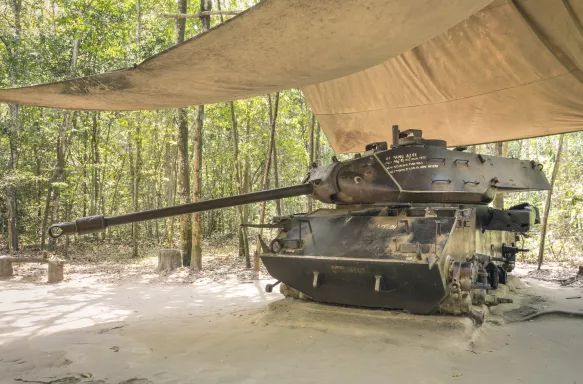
[(86, 331)]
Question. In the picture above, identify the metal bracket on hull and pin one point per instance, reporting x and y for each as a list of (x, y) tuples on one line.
[(316, 281), (378, 283)]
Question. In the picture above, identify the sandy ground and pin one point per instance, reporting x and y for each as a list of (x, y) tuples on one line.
[(87, 331), (563, 273), (113, 264)]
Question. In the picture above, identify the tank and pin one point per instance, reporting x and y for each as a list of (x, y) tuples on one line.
[(409, 227)]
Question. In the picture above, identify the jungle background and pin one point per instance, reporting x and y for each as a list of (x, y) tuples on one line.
[(59, 165)]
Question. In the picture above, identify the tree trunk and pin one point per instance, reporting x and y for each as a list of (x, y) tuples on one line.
[(274, 159), (545, 218), (13, 55), (184, 181), (247, 189), (276, 178), (180, 23), (95, 133), (132, 178), (197, 230), (103, 174), (311, 153), (68, 209), (136, 188), (11, 189), (85, 162), (243, 251), (196, 241), (183, 159), (502, 151), (46, 214), (139, 31), (273, 119), (114, 199), (38, 184), (59, 175), (10, 233), (317, 148), (174, 192), (169, 162)]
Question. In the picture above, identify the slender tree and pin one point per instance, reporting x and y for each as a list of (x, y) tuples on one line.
[(317, 153), (138, 141), (59, 174), (205, 5), (545, 219), (183, 159), (311, 152), (247, 186), (243, 242), (502, 151), (273, 110), (170, 183), (136, 188), (278, 203), (12, 48)]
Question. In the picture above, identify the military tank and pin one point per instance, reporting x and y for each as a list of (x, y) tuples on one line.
[(410, 227)]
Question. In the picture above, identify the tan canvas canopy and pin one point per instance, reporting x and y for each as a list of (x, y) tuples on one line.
[(511, 70), (275, 45)]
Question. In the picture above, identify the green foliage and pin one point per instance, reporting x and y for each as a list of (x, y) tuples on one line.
[(101, 147)]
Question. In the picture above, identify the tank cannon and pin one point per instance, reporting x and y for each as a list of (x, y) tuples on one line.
[(411, 228), (100, 223)]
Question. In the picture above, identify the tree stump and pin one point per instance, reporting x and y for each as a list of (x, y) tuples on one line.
[(580, 272), (55, 271), (169, 259), (5, 268)]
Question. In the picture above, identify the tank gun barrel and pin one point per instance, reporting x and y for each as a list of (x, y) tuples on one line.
[(99, 223)]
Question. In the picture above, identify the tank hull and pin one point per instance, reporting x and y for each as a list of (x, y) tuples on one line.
[(421, 259)]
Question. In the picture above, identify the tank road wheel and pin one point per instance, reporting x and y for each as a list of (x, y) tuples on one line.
[(289, 291), (276, 245)]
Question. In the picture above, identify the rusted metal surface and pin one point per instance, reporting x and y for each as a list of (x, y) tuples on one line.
[(424, 174), (357, 254)]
